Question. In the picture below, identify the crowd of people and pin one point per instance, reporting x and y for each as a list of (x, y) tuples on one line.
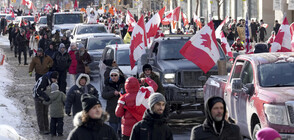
[(136, 108)]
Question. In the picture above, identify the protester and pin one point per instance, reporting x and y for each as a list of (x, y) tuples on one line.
[(237, 45), (65, 41), (73, 99), (130, 106), (154, 124), (41, 63), (50, 51), (83, 59), (262, 31), (10, 29), (22, 43), (114, 87), (72, 70), (90, 122), (268, 134), (277, 26), (62, 62), (15, 33), (44, 42), (215, 127), (254, 29), (147, 72), (56, 104), (40, 94), (33, 44), (3, 23)]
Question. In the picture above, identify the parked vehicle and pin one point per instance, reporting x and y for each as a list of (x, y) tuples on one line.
[(31, 19), (41, 23), (259, 92), (82, 31), (182, 80), (64, 21), (120, 54), (95, 47)]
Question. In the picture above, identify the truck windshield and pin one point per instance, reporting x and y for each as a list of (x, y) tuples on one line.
[(29, 18), (91, 29), (276, 74), (96, 43), (43, 21), (68, 18), (170, 49), (123, 58)]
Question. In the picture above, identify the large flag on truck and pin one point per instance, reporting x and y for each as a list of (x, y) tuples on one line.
[(282, 42)]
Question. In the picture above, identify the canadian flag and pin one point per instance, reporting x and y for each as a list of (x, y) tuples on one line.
[(197, 20), (225, 45), (153, 24), (185, 19), (130, 21), (282, 42), (76, 4), (292, 36), (219, 28), (202, 48), (138, 42), (48, 7), (168, 18), (176, 13)]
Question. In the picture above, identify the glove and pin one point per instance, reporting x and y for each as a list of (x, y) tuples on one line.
[(31, 74)]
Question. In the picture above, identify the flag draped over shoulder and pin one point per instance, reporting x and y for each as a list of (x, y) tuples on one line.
[(202, 48)]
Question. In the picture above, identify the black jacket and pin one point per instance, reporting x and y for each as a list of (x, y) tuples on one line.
[(44, 44), (152, 127), (41, 86), (62, 61), (22, 41), (73, 99), (92, 129), (108, 94), (207, 130)]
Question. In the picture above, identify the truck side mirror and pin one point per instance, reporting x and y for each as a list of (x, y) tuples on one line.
[(249, 89), (237, 84), (144, 59)]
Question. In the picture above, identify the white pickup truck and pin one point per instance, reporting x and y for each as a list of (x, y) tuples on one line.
[(64, 21)]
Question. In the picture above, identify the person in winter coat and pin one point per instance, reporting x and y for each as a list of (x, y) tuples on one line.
[(44, 42), (262, 31), (73, 96), (241, 31), (65, 41), (15, 33), (41, 63), (92, 16), (83, 59), (40, 94), (254, 29), (215, 127), (147, 72), (56, 104), (34, 42), (72, 70), (50, 51), (22, 44), (237, 45), (154, 124), (90, 122), (62, 62), (114, 86), (3, 24), (56, 39), (277, 26), (132, 105)]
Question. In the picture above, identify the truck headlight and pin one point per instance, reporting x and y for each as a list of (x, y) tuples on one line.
[(276, 114), (169, 78)]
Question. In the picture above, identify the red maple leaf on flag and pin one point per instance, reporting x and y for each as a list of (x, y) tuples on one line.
[(280, 39), (152, 31), (136, 41), (207, 41)]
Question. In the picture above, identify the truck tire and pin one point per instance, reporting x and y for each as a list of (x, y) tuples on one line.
[(256, 128)]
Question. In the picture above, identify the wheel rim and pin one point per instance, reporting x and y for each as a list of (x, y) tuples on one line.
[(255, 130)]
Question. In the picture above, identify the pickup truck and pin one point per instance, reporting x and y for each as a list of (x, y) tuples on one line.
[(259, 92)]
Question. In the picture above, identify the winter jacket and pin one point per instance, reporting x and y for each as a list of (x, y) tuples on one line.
[(73, 66), (40, 89), (156, 79), (44, 44), (129, 108), (152, 127), (33, 44), (62, 61), (108, 94), (66, 43), (57, 101), (50, 52), (206, 131), (92, 129), (82, 61), (21, 41), (73, 99), (41, 64)]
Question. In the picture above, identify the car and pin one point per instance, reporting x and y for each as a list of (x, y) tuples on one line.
[(120, 54), (82, 31), (64, 21), (42, 22), (31, 19), (9, 18), (95, 47)]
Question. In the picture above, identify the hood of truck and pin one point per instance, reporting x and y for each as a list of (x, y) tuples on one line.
[(277, 94), (64, 26), (181, 64)]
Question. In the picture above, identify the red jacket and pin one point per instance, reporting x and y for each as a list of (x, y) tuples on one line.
[(127, 107), (73, 66)]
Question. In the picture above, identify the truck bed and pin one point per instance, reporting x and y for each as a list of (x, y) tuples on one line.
[(215, 86)]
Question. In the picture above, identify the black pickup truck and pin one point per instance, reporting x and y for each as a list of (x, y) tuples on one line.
[(182, 80)]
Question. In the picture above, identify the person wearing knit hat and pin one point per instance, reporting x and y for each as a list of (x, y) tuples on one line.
[(154, 123), (215, 127), (268, 134), (90, 122), (83, 59)]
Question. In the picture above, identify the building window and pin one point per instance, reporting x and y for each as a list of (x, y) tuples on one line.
[(253, 5)]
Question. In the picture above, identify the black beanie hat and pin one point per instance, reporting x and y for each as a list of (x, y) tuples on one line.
[(147, 66), (213, 101), (54, 75), (88, 101)]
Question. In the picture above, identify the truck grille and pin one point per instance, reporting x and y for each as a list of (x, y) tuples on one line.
[(191, 78), (290, 109)]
